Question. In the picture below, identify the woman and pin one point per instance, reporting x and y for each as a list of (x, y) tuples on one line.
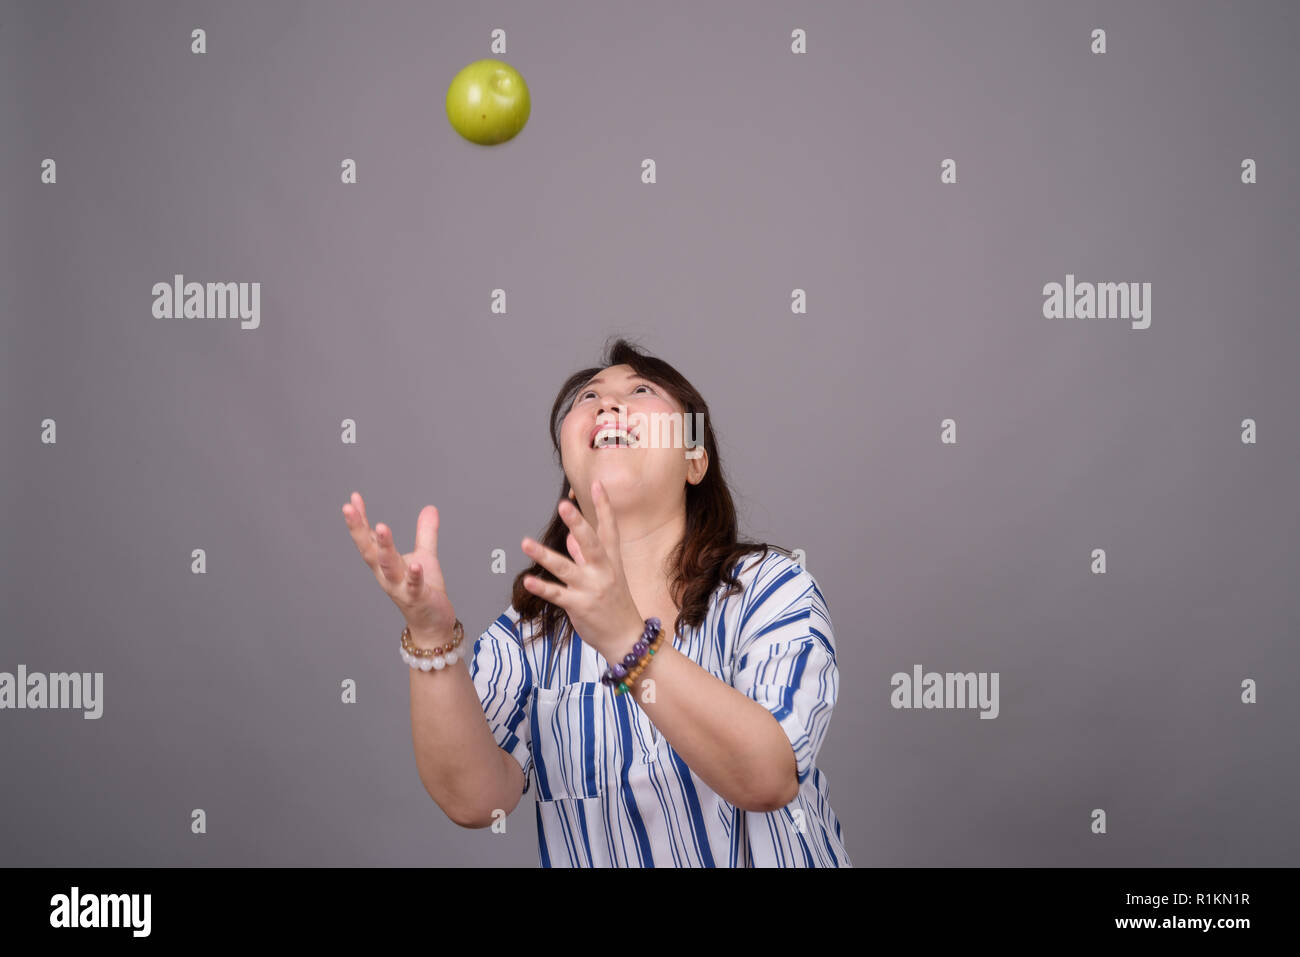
[(661, 687)]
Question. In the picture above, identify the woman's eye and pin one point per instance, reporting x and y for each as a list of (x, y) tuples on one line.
[(592, 392)]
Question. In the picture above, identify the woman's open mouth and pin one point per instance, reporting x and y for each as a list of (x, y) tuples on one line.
[(613, 438)]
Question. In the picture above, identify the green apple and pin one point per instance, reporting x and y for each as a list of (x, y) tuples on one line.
[(488, 102)]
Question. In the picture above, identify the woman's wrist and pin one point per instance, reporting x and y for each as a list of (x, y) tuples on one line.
[(433, 650), (625, 669), (431, 638)]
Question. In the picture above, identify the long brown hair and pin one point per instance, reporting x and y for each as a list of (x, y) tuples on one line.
[(704, 558)]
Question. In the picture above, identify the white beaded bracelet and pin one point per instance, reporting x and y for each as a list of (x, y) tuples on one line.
[(435, 659), (436, 663)]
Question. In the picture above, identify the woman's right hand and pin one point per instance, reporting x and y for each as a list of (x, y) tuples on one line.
[(414, 580)]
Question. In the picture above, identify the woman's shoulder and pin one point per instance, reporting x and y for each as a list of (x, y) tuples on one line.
[(780, 591), (775, 562), (508, 625), (773, 576)]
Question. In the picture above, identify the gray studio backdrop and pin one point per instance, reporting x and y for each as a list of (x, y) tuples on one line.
[(823, 172)]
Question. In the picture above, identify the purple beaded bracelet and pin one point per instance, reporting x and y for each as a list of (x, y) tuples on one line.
[(616, 672)]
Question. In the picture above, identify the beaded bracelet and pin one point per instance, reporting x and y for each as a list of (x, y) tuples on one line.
[(436, 658), (623, 675), (630, 681)]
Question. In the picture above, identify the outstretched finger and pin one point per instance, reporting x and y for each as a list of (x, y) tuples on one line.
[(581, 530), (390, 563), (414, 579), (559, 565), (426, 530), (361, 533), (550, 591)]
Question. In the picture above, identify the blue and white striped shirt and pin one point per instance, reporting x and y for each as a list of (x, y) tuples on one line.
[(611, 792)]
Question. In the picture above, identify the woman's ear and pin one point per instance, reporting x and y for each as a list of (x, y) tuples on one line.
[(573, 495), (697, 467)]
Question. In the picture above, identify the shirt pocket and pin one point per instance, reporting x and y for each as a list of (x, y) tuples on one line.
[(568, 735)]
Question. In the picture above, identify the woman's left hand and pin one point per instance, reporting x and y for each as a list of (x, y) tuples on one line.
[(595, 593)]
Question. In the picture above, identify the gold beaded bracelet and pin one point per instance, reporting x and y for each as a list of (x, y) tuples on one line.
[(625, 686), (426, 658)]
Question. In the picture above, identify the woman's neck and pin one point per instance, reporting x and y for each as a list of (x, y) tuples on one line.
[(646, 546)]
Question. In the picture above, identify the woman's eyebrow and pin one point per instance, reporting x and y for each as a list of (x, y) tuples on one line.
[(598, 380)]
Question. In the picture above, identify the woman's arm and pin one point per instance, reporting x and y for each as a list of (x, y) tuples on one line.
[(456, 756), (743, 747), (730, 740)]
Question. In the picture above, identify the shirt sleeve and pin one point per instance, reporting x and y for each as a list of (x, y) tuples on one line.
[(501, 676), (785, 656)]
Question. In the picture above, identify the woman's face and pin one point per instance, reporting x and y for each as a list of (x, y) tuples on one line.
[(639, 477)]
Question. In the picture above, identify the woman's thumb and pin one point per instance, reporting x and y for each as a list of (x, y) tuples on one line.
[(426, 530)]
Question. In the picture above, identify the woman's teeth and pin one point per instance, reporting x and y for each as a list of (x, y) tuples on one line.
[(611, 439)]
